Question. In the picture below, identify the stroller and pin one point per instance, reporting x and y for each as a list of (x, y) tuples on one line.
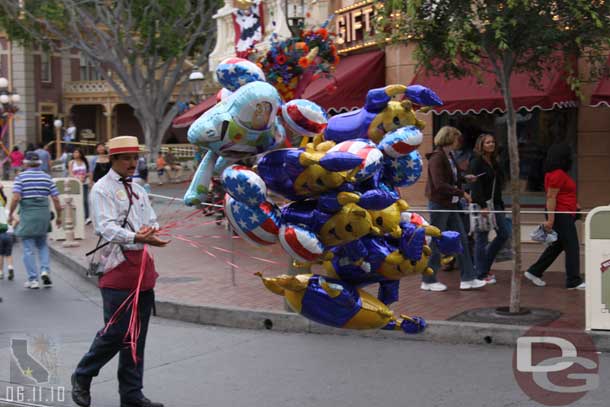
[(216, 196)]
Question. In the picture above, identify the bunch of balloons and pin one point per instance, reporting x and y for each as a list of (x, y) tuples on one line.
[(343, 212)]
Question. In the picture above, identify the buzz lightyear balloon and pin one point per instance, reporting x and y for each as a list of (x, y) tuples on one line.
[(242, 125)]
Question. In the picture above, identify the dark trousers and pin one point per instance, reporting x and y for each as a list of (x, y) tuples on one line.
[(106, 345), (449, 221), (86, 199), (567, 241)]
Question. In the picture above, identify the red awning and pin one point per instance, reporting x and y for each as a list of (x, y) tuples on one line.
[(601, 95), (353, 77), (188, 117), (466, 95)]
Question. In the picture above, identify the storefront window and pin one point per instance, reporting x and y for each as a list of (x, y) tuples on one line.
[(536, 132)]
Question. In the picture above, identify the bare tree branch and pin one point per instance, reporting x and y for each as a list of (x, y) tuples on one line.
[(124, 40)]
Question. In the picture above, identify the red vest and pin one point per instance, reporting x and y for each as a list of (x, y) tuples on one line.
[(125, 275)]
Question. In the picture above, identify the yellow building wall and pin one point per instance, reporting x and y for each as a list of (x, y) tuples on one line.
[(400, 68)]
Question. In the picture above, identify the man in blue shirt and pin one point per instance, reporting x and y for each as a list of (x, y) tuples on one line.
[(31, 191), (44, 157)]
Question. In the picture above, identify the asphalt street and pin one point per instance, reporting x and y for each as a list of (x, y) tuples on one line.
[(192, 365)]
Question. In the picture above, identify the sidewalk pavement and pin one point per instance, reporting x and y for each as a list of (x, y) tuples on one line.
[(204, 268)]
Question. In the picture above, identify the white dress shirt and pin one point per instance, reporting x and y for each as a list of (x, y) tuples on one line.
[(109, 201)]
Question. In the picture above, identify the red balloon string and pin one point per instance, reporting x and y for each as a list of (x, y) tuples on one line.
[(133, 301)]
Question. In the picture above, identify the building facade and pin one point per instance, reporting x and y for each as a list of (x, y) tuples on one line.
[(64, 86)]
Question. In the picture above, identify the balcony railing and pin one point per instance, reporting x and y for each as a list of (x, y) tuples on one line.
[(88, 87)]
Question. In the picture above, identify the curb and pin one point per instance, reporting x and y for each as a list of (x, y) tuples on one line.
[(448, 332)]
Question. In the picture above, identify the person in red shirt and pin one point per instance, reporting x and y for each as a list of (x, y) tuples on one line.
[(560, 197), (16, 157)]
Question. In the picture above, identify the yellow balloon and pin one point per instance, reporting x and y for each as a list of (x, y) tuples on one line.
[(386, 122), (351, 223), (388, 219)]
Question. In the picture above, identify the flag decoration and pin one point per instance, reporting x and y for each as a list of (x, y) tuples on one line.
[(249, 26)]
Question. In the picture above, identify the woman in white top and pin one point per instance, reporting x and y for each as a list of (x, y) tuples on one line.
[(78, 167)]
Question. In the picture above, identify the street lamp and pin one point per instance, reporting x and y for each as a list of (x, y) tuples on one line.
[(196, 79), (57, 124), (8, 103), (295, 16)]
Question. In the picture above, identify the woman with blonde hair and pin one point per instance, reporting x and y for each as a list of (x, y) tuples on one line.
[(444, 190), (487, 193)]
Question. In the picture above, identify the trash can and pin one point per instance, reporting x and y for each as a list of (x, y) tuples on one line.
[(597, 268)]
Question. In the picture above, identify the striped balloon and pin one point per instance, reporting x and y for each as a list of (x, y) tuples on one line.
[(401, 142), (304, 117), (301, 244), (367, 150)]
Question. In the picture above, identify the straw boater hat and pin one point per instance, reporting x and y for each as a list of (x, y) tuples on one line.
[(123, 145)]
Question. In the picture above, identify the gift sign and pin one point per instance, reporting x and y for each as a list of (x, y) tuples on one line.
[(354, 25)]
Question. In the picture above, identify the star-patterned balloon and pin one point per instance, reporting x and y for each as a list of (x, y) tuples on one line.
[(244, 185), (232, 73), (402, 171)]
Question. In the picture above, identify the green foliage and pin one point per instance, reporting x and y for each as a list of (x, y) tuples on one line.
[(162, 28), (455, 36)]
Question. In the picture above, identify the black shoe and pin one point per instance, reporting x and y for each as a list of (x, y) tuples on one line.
[(46, 280), (80, 391), (143, 402), (11, 274)]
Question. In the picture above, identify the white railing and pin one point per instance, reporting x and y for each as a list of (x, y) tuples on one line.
[(180, 150)]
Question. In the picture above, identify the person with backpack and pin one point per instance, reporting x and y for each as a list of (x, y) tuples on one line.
[(31, 192)]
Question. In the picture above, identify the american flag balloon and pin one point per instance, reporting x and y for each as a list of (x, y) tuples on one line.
[(301, 244), (402, 171), (244, 185), (401, 142), (372, 159), (304, 117), (257, 225)]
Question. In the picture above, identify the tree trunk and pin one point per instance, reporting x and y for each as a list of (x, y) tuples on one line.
[(513, 153), (153, 136)]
